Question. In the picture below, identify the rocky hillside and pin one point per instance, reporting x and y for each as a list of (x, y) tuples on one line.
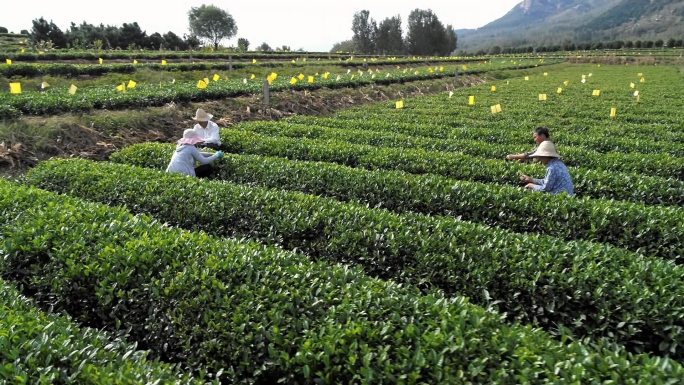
[(546, 22)]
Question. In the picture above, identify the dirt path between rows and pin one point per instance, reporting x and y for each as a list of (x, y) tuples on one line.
[(97, 134)]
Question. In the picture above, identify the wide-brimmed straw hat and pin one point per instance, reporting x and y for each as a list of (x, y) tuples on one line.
[(202, 116), (547, 149), (190, 137)]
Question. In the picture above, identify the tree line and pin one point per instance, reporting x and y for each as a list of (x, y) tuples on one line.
[(571, 46), (425, 35)]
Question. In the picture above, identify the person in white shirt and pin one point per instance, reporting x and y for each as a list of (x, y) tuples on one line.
[(207, 130), (186, 154)]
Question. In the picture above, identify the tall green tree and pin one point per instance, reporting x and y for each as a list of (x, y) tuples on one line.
[(243, 44), (211, 23), (389, 36), (364, 29), (44, 31), (427, 35)]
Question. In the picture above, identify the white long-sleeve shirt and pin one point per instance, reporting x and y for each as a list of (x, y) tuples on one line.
[(183, 160), (209, 134)]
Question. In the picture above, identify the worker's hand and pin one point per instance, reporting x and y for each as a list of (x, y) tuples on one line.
[(219, 154), (509, 157), (525, 179), (530, 186)]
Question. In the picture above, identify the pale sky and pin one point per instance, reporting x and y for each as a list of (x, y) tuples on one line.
[(305, 24)]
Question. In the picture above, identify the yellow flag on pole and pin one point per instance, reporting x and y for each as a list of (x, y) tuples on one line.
[(15, 88), (73, 89), (542, 97), (399, 105), (131, 84), (216, 77), (201, 84), (613, 112), (471, 100)]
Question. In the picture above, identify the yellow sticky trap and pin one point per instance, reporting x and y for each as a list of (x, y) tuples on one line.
[(640, 74), (293, 81), (15, 88), (464, 67), (326, 75), (121, 87), (451, 93), (44, 85), (216, 78), (244, 80), (441, 68), (590, 74), (493, 88), (613, 112), (253, 61), (565, 83), (636, 93), (206, 80), (642, 80), (310, 79), (173, 81), (559, 90), (252, 77), (584, 81), (201, 84), (399, 105), (638, 98), (73, 89), (8, 62), (471, 100), (293, 61), (135, 61), (596, 93), (546, 74), (100, 60), (131, 84), (23, 50), (584, 76), (301, 76), (542, 97), (632, 85), (163, 62), (527, 78), (417, 73), (337, 79), (495, 108)]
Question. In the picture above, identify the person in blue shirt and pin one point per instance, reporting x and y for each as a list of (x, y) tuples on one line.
[(557, 179)]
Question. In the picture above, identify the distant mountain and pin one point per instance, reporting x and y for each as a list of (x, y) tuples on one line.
[(548, 22)]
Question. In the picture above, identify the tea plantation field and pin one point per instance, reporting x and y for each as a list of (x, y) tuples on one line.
[(387, 243)]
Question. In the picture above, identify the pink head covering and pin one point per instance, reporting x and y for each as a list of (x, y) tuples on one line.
[(190, 137)]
